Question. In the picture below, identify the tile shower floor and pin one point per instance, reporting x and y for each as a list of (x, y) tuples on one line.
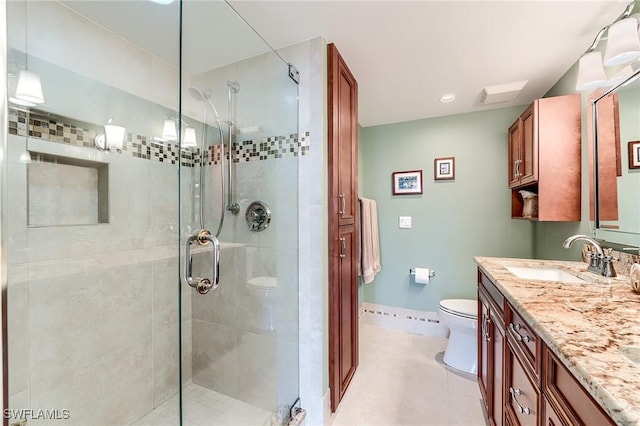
[(204, 407), (401, 380)]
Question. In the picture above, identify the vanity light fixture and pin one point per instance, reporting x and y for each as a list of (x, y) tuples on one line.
[(447, 98), (162, 2), (623, 46), (28, 90), (169, 130)]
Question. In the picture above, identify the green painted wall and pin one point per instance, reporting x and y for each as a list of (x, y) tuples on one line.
[(452, 220)]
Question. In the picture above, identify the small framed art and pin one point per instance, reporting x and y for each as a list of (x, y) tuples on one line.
[(634, 155), (444, 168), (407, 183)]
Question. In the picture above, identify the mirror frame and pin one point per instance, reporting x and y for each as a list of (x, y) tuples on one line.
[(596, 189)]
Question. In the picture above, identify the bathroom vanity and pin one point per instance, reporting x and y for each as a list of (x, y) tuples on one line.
[(562, 350)]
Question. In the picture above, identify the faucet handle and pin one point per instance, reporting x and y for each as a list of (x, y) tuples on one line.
[(607, 266)]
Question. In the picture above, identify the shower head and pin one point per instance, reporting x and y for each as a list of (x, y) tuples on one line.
[(199, 95)]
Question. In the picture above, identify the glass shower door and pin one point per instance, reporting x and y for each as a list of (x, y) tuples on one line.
[(92, 212), (240, 339)]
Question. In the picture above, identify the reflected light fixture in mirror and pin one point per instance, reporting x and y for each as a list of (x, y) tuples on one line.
[(169, 130), (115, 135), (189, 138), (623, 46), (28, 90)]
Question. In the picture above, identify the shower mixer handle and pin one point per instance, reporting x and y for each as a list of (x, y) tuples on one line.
[(203, 285)]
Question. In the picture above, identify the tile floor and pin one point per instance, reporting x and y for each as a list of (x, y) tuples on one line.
[(204, 407), (402, 380)]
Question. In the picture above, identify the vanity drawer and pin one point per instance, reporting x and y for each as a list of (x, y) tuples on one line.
[(572, 399), (522, 396), (524, 338)]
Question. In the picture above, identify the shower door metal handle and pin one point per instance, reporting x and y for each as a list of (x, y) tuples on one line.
[(203, 285)]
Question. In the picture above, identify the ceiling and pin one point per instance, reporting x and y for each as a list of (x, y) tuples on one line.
[(404, 54)]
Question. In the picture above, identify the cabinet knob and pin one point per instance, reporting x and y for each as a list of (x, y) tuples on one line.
[(516, 333)]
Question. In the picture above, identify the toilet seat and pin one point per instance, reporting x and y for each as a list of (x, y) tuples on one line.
[(464, 308)]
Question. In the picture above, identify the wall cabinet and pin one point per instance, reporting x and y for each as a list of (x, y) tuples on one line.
[(522, 382), (545, 158), (343, 225)]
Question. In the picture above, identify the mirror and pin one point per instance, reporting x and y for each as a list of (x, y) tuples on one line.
[(615, 187)]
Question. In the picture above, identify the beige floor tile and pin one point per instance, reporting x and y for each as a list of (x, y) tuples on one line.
[(402, 380)]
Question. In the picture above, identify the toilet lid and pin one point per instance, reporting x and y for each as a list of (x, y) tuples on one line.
[(465, 308)]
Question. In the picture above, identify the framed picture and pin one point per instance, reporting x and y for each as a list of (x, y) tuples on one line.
[(407, 183), (444, 168), (634, 155)]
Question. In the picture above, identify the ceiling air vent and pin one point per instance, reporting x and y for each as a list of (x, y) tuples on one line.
[(501, 92)]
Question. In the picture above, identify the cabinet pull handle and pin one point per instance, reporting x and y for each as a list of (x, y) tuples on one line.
[(516, 328), (343, 247), (486, 321), (518, 174), (343, 204), (521, 409)]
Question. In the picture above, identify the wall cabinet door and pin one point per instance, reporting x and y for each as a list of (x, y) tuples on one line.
[(514, 153), (344, 314), (343, 155), (528, 149)]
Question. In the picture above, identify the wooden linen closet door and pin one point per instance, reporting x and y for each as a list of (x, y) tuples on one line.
[(343, 225)]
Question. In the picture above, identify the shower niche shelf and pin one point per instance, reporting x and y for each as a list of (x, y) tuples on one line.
[(66, 191)]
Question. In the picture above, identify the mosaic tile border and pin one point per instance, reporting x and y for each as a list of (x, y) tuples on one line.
[(58, 129), (407, 320)]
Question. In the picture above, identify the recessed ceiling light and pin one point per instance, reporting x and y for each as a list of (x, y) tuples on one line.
[(449, 97)]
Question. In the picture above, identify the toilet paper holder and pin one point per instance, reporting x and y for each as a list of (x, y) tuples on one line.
[(432, 273)]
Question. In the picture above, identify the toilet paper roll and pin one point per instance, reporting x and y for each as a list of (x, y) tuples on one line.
[(422, 275)]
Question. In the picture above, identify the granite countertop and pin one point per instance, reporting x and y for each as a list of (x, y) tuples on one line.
[(588, 326)]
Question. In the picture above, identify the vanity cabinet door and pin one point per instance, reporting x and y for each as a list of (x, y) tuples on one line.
[(521, 394), (491, 338), (569, 396), (551, 417)]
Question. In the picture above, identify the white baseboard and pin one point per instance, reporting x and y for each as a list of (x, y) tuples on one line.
[(407, 320)]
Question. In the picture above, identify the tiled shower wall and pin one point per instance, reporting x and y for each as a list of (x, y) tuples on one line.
[(93, 309)]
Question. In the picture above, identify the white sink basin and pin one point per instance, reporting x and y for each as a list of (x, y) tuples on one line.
[(631, 352), (544, 274)]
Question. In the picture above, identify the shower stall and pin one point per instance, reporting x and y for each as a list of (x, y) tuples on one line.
[(149, 171)]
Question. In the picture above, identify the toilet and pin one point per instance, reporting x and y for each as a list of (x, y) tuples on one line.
[(461, 316)]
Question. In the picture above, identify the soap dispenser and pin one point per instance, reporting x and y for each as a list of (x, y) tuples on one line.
[(634, 272)]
